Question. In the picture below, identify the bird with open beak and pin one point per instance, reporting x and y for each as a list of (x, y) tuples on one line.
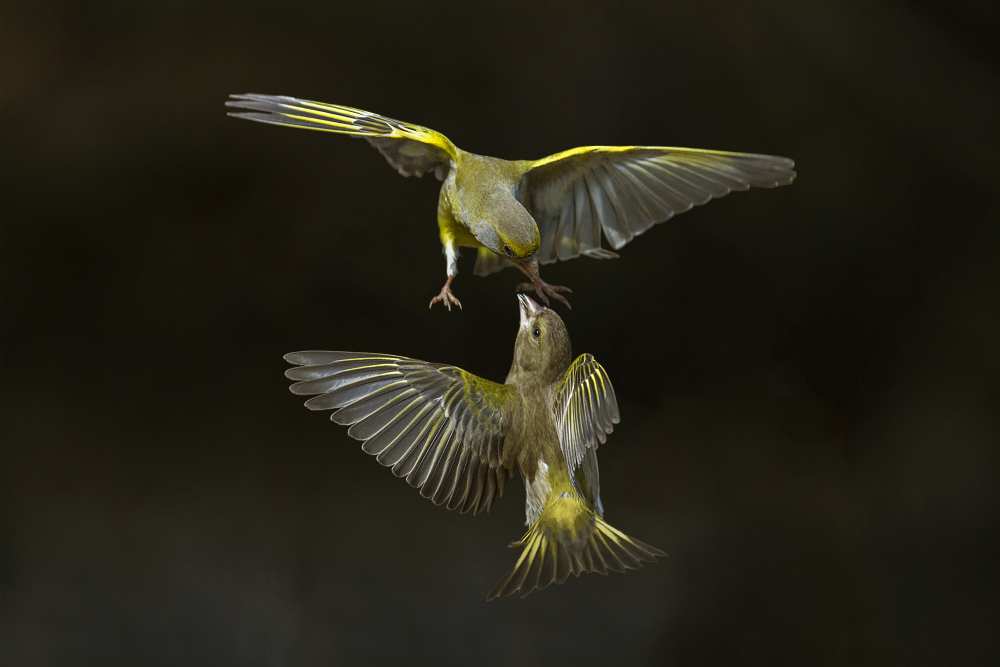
[(522, 213), (458, 437)]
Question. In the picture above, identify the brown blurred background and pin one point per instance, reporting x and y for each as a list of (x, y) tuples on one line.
[(803, 373)]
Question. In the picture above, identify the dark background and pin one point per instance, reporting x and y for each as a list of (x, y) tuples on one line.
[(803, 373)]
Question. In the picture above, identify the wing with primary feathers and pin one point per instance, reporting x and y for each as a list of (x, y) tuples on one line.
[(439, 427), (621, 191), (586, 409), (412, 150)]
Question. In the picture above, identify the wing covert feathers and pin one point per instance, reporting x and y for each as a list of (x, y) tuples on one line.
[(437, 426), (412, 150)]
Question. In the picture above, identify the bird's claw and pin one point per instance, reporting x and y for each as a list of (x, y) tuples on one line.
[(446, 297), (545, 291)]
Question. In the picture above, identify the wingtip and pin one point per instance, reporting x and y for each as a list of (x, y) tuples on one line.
[(270, 119), (298, 390), (254, 96)]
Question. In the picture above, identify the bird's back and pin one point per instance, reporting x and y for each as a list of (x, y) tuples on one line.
[(478, 180)]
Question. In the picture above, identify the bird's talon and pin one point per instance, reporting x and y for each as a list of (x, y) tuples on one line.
[(446, 297), (546, 292), (531, 287)]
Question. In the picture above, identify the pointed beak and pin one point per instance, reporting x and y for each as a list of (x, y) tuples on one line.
[(528, 308)]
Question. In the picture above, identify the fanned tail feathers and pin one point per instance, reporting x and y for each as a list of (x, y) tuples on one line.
[(546, 559)]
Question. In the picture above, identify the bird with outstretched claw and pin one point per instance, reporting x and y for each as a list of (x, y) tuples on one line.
[(523, 213), (458, 437)]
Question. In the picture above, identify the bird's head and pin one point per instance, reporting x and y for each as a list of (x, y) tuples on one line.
[(510, 230), (542, 348)]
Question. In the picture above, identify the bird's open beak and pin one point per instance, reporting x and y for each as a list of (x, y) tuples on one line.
[(528, 308)]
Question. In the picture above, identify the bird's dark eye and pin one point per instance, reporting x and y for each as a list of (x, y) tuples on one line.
[(507, 251), (536, 332)]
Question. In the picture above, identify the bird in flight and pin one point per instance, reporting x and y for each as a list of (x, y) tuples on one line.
[(458, 437), (523, 213)]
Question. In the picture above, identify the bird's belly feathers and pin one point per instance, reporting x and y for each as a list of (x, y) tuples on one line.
[(555, 507), (551, 479), (536, 493)]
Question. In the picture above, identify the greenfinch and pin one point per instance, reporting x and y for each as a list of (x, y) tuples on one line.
[(458, 437), (525, 212)]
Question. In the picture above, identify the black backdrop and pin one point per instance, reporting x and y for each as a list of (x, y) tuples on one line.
[(803, 373)]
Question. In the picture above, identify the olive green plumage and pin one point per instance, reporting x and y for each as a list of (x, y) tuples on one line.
[(458, 437), (525, 212)]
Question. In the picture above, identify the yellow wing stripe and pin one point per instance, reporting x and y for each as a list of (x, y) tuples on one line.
[(337, 118), (342, 128), (398, 129), (586, 150)]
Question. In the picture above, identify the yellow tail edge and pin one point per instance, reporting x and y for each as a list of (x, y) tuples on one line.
[(545, 561)]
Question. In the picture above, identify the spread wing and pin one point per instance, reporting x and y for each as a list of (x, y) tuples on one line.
[(439, 427), (586, 410), (621, 191), (411, 149)]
